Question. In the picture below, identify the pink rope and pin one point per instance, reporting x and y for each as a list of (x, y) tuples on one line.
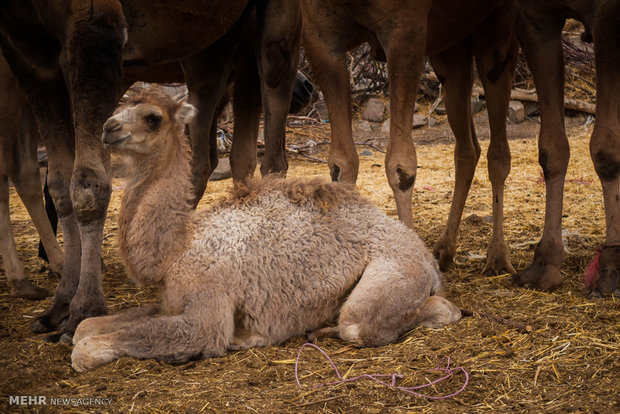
[(392, 384)]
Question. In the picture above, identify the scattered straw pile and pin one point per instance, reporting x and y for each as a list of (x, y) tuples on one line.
[(569, 362)]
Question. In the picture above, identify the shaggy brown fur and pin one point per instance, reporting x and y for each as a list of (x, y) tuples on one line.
[(277, 260)]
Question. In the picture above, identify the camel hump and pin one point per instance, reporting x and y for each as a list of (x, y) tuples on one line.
[(309, 192)]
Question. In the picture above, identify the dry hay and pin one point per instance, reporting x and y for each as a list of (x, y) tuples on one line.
[(569, 362)]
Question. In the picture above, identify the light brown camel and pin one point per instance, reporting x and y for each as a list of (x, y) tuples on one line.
[(277, 260), (457, 31), (18, 161), (70, 56), (540, 30)]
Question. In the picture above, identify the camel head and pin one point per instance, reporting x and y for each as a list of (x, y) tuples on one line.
[(147, 124)]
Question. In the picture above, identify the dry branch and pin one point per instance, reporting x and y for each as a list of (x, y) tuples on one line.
[(574, 104), (518, 326)]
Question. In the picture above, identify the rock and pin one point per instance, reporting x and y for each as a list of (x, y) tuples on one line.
[(419, 121), (516, 112), (222, 171), (375, 110), (476, 106), (432, 121), (366, 153)]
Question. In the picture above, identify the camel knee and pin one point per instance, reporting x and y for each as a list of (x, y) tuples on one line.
[(277, 63), (553, 155), (58, 185), (499, 158), (401, 178), (606, 158), (90, 193)]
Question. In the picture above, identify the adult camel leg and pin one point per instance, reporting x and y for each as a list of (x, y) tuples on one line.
[(605, 142), (404, 44), (542, 45), (27, 180), (246, 109), (454, 68), (93, 59), (279, 23), (206, 75), (330, 69), (17, 159), (50, 104), (21, 286), (496, 58)]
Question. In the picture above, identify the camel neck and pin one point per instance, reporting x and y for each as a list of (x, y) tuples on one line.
[(155, 214)]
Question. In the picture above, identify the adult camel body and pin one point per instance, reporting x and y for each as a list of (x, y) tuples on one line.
[(69, 58), (540, 31), (457, 31)]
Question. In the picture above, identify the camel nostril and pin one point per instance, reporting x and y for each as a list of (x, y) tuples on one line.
[(111, 125)]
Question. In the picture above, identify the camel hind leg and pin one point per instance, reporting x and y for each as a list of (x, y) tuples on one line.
[(436, 312), (390, 299)]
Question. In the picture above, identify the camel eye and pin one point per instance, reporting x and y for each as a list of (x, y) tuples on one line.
[(153, 120)]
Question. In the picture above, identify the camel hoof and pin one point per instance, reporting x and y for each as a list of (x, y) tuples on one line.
[(445, 260), (501, 270), (53, 338), (595, 294), (608, 280), (41, 326), (66, 338), (24, 289), (534, 277)]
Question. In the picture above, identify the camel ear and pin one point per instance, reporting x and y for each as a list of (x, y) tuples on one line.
[(185, 113)]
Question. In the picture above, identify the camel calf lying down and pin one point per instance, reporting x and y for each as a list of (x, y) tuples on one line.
[(279, 259)]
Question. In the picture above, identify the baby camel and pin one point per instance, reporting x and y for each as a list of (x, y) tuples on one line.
[(279, 259)]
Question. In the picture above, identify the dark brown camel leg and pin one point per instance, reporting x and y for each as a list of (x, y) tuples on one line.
[(454, 69), (279, 23), (605, 141), (541, 43), (93, 60), (326, 53), (206, 75), (50, 103), (246, 109), (21, 286), (27, 180), (496, 49), (18, 160), (404, 44)]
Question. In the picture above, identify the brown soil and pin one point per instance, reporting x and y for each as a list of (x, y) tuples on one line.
[(569, 362)]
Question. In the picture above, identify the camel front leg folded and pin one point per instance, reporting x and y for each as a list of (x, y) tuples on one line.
[(107, 324), (171, 339)]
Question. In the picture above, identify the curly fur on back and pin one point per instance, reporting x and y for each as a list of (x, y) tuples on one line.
[(314, 192)]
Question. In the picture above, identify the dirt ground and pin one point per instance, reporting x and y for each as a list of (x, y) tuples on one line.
[(569, 362)]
